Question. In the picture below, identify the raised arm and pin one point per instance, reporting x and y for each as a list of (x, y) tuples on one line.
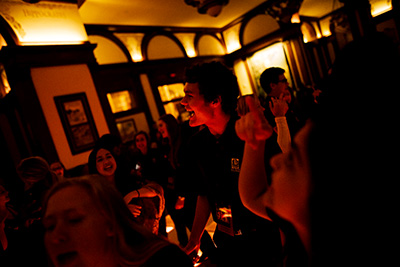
[(279, 107), (284, 139), (146, 191), (254, 129)]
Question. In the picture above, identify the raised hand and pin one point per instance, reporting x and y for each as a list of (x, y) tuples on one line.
[(253, 126), (278, 106)]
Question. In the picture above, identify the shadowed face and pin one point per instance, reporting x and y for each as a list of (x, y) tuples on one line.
[(162, 128), (141, 142), (57, 168), (77, 232)]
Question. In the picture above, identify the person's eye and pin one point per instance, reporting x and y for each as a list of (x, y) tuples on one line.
[(48, 226), (75, 219)]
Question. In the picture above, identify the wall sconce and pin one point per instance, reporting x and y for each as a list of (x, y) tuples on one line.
[(379, 7), (231, 37), (210, 7), (5, 87), (44, 23), (295, 18), (132, 41), (187, 40)]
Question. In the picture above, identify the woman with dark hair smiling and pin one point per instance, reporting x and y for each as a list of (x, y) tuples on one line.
[(146, 201)]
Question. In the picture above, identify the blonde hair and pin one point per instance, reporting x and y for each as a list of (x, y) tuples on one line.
[(133, 245)]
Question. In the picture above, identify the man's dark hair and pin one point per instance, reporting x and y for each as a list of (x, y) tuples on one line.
[(270, 75), (215, 79)]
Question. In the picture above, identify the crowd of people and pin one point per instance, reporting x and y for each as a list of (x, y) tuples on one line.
[(287, 182)]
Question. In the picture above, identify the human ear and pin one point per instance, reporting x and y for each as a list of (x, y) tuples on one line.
[(216, 101)]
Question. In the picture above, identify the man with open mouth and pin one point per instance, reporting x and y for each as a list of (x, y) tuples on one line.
[(241, 237)]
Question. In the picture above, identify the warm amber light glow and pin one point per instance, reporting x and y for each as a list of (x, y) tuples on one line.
[(233, 46), (2, 41), (316, 29), (326, 33), (191, 52), (5, 87), (243, 77), (271, 56), (171, 91), (171, 94), (120, 101), (295, 18), (325, 27), (232, 38), (308, 32), (137, 57), (379, 7), (44, 22), (187, 40), (133, 41)]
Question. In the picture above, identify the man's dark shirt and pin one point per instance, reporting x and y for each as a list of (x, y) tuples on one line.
[(218, 162)]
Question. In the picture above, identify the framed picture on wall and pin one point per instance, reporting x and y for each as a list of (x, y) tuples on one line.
[(127, 129), (77, 121)]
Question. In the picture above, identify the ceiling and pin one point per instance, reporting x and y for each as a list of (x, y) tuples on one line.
[(318, 8), (175, 13)]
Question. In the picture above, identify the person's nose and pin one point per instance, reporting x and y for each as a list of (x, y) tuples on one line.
[(58, 235), (107, 161), (184, 101)]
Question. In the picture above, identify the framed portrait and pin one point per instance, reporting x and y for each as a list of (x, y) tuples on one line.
[(127, 130), (77, 121)]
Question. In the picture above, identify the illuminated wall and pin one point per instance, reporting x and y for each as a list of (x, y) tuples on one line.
[(232, 40), (133, 42), (43, 23), (107, 51), (162, 47), (246, 85), (210, 46), (258, 27), (379, 7), (66, 80), (187, 40), (271, 56)]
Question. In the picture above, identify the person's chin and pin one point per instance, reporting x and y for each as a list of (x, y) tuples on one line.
[(193, 122)]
